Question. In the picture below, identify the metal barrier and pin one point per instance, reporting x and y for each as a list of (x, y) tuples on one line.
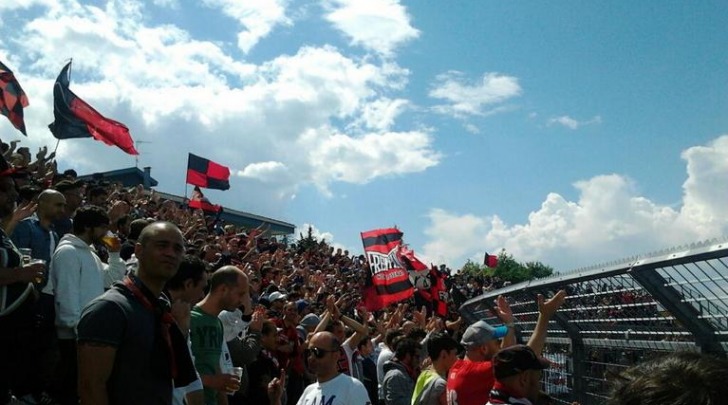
[(619, 314)]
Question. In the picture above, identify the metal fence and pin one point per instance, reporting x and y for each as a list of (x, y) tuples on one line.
[(620, 314)]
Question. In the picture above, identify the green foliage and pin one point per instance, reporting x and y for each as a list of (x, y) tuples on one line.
[(308, 242), (509, 269)]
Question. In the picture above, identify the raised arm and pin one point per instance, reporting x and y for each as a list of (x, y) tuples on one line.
[(546, 310)]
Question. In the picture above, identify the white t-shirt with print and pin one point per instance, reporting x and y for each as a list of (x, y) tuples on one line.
[(340, 390)]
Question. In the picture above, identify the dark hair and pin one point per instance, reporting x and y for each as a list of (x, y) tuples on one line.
[(406, 346), (676, 379), (268, 328), (122, 220), (70, 173), (363, 342), (191, 268), (136, 227), (439, 342), (89, 216), (417, 334), (96, 191), (390, 337), (28, 192), (227, 275)]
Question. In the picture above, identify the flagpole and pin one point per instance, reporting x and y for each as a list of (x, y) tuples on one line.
[(58, 142)]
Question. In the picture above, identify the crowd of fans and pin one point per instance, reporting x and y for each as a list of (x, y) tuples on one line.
[(113, 295)]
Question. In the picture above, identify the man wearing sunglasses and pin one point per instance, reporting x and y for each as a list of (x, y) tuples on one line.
[(331, 387)]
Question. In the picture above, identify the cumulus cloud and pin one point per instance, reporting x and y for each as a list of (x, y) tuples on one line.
[(376, 25), (572, 123), (319, 235), (288, 122), (258, 17), (468, 98), (608, 221)]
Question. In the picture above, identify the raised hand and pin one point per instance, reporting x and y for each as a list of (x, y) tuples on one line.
[(503, 309), (549, 308)]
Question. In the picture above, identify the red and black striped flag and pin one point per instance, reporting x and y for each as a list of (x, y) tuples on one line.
[(12, 98), (389, 281), (206, 173), (74, 118)]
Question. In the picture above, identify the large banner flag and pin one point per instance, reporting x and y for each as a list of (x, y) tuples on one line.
[(390, 282), (74, 118), (202, 172), (12, 98)]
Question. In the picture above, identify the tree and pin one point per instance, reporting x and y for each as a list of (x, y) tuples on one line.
[(509, 269)]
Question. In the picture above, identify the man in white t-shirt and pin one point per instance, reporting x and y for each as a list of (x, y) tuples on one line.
[(331, 387)]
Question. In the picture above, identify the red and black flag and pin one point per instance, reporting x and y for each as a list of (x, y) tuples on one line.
[(12, 98), (74, 118), (202, 172), (198, 201), (490, 260), (388, 281)]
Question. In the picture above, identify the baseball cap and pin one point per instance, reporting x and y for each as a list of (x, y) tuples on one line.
[(301, 305), (310, 320), (481, 332), (515, 360), (276, 295)]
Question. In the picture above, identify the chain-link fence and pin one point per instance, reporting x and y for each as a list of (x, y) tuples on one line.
[(621, 314)]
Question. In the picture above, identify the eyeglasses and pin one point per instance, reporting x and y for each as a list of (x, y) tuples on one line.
[(318, 352)]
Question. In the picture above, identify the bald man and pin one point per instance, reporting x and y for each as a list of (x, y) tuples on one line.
[(37, 234), (331, 387), (228, 290), (130, 331)]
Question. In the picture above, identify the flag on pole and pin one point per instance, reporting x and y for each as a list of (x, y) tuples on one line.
[(12, 98), (75, 118), (388, 281), (198, 201), (490, 260), (205, 173)]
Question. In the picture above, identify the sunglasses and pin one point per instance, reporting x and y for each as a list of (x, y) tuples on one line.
[(318, 352)]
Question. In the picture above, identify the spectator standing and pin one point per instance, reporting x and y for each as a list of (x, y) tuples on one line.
[(130, 349), (184, 290), (36, 233), (331, 387), (77, 277), (401, 373), (73, 193), (431, 385), (517, 371), (228, 287), (16, 302)]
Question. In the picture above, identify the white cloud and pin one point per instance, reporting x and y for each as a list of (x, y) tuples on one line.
[(572, 123), (380, 114), (259, 17), (377, 25), (313, 117), (265, 171), (319, 235), (465, 98), (608, 221)]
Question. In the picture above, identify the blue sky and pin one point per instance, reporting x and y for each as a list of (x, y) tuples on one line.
[(566, 132)]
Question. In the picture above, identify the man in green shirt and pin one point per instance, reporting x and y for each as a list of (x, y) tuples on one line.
[(228, 288)]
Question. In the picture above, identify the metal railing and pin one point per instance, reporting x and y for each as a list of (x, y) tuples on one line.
[(620, 314)]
